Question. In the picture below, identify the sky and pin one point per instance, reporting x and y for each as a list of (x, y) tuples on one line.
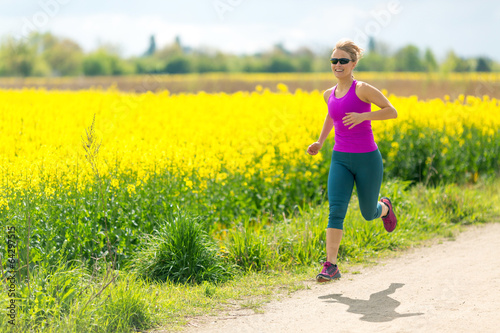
[(468, 28)]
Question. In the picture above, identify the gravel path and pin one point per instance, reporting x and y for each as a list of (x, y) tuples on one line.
[(449, 287)]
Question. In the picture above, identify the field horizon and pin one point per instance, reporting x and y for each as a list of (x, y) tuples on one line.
[(423, 85)]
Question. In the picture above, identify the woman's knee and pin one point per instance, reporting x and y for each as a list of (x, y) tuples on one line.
[(337, 216), (372, 212), (336, 224)]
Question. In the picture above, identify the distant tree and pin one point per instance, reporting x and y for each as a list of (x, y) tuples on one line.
[(210, 61), (279, 49), (179, 65), (322, 61), (252, 64), (277, 60), (178, 44), (371, 45), (147, 65), (303, 52), (152, 47), (280, 64), (374, 62), (17, 57), (54, 55), (483, 64), (495, 66), (454, 63), (97, 63), (378, 58), (177, 41), (430, 61), (304, 60), (103, 62), (42, 41), (304, 64), (408, 59), (63, 55), (169, 51), (380, 47)]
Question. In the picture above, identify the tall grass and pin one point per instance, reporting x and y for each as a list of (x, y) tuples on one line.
[(180, 251)]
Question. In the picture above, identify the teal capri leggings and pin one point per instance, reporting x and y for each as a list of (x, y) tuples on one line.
[(364, 169)]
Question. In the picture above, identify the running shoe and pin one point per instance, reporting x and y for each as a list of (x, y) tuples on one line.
[(390, 219), (329, 272)]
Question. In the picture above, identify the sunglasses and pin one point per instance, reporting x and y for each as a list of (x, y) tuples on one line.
[(342, 61)]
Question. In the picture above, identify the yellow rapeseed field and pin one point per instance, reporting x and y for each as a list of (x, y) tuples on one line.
[(207, 136), (42, 133)]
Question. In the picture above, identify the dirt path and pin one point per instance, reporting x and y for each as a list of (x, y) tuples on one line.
[(448, 287)]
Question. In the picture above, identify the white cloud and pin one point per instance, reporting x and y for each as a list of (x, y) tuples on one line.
[(131, 33)]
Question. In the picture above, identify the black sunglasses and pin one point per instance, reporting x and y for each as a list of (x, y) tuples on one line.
[(342, 61)]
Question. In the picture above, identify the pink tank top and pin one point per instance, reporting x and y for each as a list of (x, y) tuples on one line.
[(358, 139)]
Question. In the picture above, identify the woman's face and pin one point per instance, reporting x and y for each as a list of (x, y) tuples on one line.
[(340, 70)]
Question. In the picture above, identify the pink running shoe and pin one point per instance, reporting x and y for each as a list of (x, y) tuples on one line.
[(390, 219), (329, 272)]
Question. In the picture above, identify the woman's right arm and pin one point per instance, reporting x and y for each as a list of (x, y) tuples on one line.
[(327, 128), (314, 148)]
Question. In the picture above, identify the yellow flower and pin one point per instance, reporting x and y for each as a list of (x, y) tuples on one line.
[(115, 183), (282, 87), (445, 140), (130, 189), (4, 203), (49, 192)]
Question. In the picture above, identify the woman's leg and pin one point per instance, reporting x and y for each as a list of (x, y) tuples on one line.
[(340, 185), (369, 171), (333, 238)]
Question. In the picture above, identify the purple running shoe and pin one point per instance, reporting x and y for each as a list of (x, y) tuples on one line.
[(390, 219), (329, 272)]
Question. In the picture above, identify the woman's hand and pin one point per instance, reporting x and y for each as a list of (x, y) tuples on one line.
[(353, 119), (314, 148)]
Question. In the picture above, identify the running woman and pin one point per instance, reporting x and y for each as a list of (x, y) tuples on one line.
[(355, 157)]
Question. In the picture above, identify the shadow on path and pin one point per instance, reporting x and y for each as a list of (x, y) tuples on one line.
[(379, 308)]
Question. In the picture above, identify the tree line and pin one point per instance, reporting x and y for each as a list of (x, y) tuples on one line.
[(44, 54)]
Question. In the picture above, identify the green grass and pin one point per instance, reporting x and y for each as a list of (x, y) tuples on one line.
[(180, 251), (270, 257)]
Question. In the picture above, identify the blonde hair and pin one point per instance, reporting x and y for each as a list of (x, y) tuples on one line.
[(347, 45)]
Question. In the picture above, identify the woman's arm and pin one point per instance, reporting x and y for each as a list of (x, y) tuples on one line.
[(327, 128), (314, 148), (370, 94)]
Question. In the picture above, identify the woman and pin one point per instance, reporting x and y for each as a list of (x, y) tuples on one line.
[(355, 157)]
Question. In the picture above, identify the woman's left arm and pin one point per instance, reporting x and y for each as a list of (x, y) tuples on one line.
[(370, 94)]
